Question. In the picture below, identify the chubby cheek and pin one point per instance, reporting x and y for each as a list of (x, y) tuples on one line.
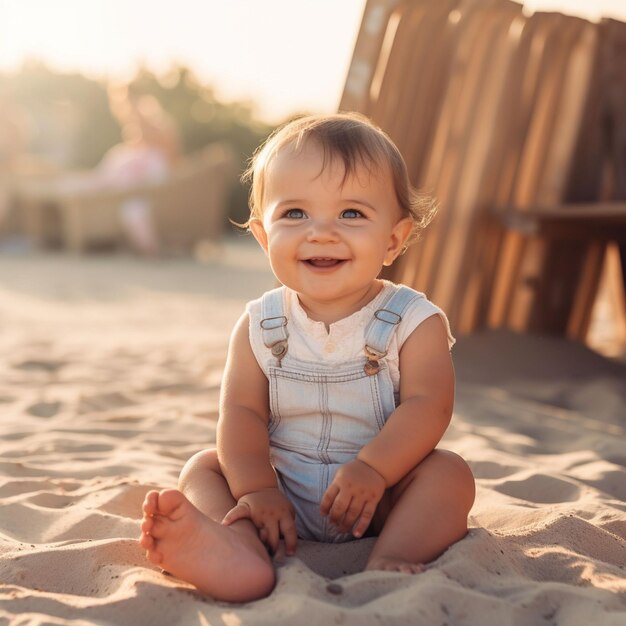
[(283, 265)]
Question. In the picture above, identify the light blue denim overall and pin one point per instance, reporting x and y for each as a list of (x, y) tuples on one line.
[(321, 415)]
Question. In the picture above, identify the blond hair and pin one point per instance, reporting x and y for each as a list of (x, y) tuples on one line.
[(354, 139)]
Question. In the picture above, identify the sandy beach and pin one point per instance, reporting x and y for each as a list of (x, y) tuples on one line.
[(110, 368)]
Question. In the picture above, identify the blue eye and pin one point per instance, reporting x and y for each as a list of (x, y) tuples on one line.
[(294, 214), (351, 214)]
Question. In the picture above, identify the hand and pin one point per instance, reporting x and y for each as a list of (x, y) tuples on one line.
[(273, 515), (351, 499)]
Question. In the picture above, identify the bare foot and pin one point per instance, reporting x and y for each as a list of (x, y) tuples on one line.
[(389, 564), (221, 561)]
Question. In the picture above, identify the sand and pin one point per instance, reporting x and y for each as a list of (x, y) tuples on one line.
[(110, 369)]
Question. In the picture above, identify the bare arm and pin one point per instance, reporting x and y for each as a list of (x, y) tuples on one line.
[(426, 402), (409, 435), (242, 437), (243, 447)]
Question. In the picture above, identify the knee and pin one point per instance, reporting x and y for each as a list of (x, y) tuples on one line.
[(457, 475), (201, 462)]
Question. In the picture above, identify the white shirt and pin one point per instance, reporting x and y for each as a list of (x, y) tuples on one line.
[(345, 339)]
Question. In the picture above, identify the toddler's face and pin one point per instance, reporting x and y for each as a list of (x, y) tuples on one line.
[(328, 239)]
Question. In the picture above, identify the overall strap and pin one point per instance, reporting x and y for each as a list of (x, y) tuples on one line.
[(383, 324), (274, 323)]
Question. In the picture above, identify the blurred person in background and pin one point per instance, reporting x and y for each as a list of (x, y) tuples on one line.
[(149, 150), (13, 148)]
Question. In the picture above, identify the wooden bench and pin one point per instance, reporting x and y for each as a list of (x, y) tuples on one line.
[(510, 121)]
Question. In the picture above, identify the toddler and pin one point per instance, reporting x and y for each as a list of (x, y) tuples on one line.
[(338, 385)]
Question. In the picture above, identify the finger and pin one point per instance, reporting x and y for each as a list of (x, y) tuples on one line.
[(354, 512), (338, 510), (288, 531), (240, 511), (328, 499), (264, 536), (364, 520), (273, 533)]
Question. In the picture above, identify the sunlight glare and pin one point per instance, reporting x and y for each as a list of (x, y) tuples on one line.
[(282, 55)]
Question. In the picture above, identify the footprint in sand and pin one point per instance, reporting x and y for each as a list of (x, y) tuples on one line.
[(541, 489), (125, 419), (492, 470), (40, 365), (44, 409), (24, 486), (52, 500), (103, 402)]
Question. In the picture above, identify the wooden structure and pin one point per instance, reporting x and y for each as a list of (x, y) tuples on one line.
[(189, 206), (516, 124)]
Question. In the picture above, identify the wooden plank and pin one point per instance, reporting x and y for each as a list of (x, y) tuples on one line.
[(583, 221), (522, 297), (478, 158), (407, 96), (367, 50), (531, 303), (614, 33), (562, 278), (460, 164)]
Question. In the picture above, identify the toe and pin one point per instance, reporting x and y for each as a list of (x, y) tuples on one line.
[(154, 556), (159, 528), (146, 542), (169, 502), (409, 568), (150, 503)]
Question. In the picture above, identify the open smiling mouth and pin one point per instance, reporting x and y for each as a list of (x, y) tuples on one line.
[(324, 262)]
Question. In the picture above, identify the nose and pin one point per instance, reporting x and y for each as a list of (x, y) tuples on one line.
[(322, 230)]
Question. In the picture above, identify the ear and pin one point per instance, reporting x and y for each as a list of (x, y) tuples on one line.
[(258, 230), (399, 236)]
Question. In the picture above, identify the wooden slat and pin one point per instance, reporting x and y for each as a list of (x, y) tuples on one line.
[(367, 50), (461, 159), (557, 281), (407, 99), (521, 294), (601, 220), (614, 33)]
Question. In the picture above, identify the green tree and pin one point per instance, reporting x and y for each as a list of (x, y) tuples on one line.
[(71, 125)]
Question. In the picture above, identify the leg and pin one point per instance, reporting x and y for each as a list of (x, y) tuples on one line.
[(182, 533), (138, 223), (426, 513)]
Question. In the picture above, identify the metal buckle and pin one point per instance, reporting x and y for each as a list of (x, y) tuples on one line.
[(283, 322), (396, 319), (373, 355), (279, 349), (372, 366)]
